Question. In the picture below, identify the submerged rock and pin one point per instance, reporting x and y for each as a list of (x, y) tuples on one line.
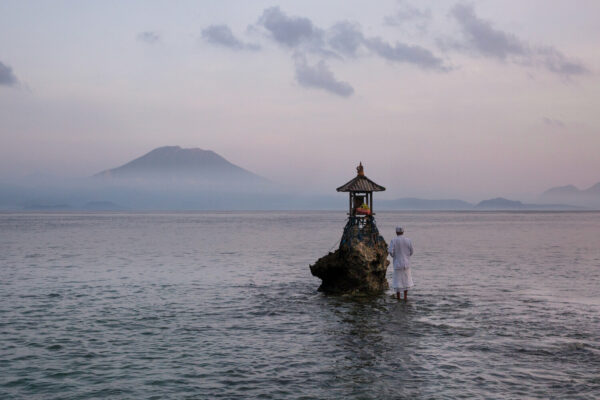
[(360, 263)]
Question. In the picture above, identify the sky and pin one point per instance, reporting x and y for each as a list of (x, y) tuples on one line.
[(438, 99)]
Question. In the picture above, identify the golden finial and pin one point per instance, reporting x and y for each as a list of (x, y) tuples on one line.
[(360, 169)]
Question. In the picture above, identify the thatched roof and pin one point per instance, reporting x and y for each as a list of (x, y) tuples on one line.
[(361, 183)]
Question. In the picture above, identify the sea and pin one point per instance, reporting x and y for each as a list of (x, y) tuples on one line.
[(222, 305)]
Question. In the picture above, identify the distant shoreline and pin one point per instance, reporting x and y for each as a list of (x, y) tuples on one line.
[(215, 211)]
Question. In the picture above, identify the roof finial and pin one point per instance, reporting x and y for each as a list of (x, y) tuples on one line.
[(360, 169)]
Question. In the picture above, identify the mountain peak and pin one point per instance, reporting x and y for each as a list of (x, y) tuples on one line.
[(569, 194), (561, 190), (594, 189), (165, 149), (175, 162)]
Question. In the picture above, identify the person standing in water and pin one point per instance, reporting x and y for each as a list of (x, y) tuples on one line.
[(401, 249)]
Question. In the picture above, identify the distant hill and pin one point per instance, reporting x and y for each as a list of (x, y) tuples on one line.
[(500, 203), (561, 191), (570, 194), (176, 163), (411, 203), (594, 190)]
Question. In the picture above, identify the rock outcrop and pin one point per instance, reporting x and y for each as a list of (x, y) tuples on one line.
[(360, 263)]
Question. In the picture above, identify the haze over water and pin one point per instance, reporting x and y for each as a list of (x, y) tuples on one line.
[(222, 305)]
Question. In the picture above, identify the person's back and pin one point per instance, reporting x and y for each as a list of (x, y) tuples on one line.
[(401, 249)]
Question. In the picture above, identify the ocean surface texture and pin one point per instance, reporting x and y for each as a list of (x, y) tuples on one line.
[(223, 305)]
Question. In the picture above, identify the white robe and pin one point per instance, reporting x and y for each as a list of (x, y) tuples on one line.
[(401, 249)]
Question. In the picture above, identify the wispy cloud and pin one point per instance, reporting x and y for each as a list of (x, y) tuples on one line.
[(401, 52), (290, 31), (481, 37), (148, 37), (346, 41), (222, 35), (345, 38), (554, 122), (407, 13), (320, 76), (7, 76), (558, 63)]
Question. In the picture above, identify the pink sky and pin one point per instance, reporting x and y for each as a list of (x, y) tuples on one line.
[(437, 99)]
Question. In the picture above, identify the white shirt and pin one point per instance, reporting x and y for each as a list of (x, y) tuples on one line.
[(400, 249)]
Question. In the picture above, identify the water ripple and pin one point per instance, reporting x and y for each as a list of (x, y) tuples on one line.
[(222, 305)]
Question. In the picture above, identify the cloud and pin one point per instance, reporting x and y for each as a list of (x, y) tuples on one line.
[(148, 37), (407, 13), (482, 38), (345, 37), (221, 35), (402, 52), (320, 76), (7, 77), (556, 62), (553, 122), (290, 31)]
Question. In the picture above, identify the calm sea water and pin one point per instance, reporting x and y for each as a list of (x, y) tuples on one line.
[(222, 305)]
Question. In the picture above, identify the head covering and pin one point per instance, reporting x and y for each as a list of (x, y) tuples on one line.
[(399, 229)]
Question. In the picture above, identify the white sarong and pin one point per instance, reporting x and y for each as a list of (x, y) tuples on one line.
[(402, 279), (401, 249)]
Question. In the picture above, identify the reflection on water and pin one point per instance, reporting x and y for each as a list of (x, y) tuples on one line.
[(223, 305)]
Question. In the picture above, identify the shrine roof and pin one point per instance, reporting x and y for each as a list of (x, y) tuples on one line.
[(361, 184)]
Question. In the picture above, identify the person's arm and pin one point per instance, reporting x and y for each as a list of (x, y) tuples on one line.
[(410, 247), (391, 248)]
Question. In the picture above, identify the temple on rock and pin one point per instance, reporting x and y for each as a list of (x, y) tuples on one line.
[(360, 263), (361, 191)]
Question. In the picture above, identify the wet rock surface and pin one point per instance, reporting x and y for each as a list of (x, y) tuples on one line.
[(360, 263)]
